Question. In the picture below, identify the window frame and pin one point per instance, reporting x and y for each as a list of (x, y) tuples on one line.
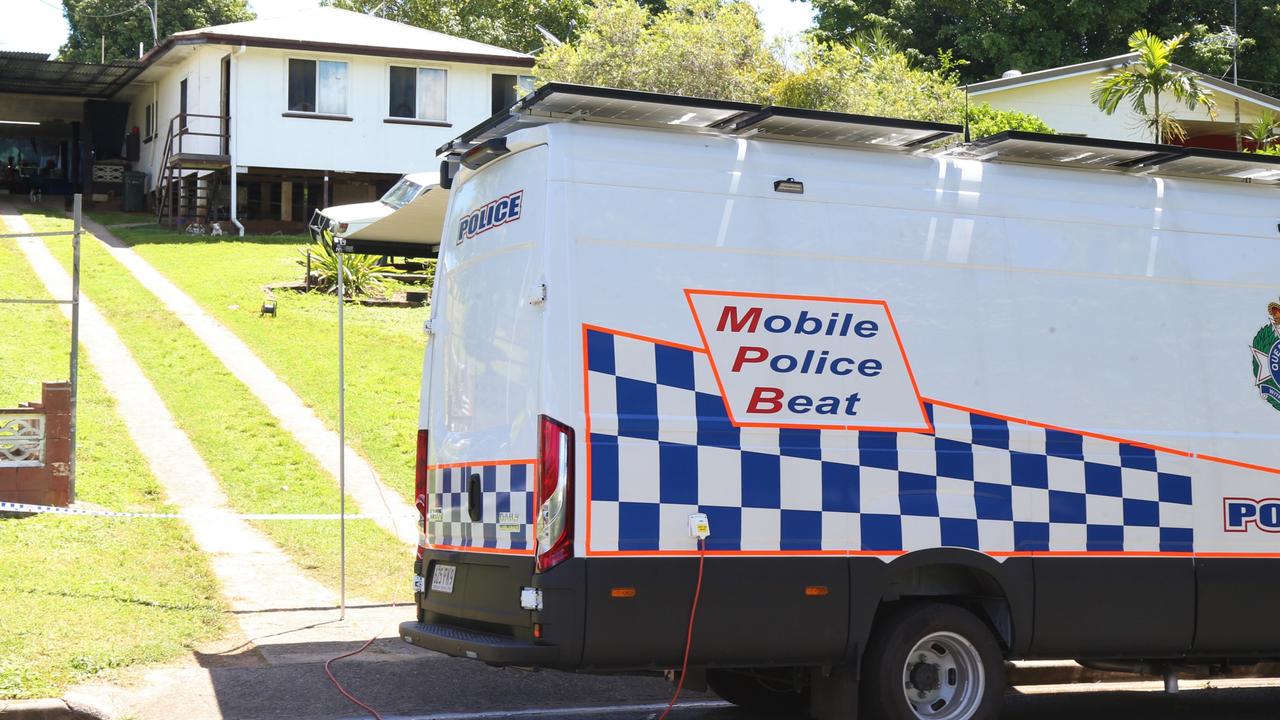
[(517, 75), (149, 122), (415, 120), (316, 113)]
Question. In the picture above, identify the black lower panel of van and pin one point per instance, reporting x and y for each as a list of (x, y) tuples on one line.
[(1114, 606), (751, 611), (1238, 598), (481, 616)]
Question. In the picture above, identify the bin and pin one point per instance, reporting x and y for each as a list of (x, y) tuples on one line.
[(135, 198)]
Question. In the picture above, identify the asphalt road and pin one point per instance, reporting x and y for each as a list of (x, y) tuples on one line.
[(438, 688), (1224, 704)]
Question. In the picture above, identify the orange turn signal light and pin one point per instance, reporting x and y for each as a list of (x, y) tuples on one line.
[(816, 591), (537, 630), (623, 592)]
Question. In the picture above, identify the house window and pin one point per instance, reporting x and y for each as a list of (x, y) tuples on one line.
[(509, 88), (417, 93), (149, 121), (318, 86)]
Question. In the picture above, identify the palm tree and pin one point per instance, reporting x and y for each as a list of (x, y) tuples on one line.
[(1153, 74)]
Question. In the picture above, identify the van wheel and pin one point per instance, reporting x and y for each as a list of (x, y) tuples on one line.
[(933, 661), (771, 696)]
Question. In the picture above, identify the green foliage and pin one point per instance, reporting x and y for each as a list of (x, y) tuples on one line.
[(1262, 131), (716, 49), (1154, 75), (997, 35), (506, 23), (871, 79), (125, 23), (702, 48), (360, 272), (985, 120)]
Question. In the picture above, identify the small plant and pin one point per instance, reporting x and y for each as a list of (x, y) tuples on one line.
[(359, 272), (1262, 131)]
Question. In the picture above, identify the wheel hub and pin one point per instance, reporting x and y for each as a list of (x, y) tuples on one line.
[(924, 676), (943, 678)]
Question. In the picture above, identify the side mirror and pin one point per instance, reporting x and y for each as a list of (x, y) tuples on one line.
[(448, 168)]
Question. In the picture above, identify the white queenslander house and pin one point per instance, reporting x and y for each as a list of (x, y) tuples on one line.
[(287, 114), (317, 108)]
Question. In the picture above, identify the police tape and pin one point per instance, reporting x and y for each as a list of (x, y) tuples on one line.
[(28, 509)]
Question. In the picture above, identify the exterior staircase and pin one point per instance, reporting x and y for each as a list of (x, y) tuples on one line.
[(194, 166)]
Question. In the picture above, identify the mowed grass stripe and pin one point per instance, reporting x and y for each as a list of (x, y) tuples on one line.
[(81, 596), (261, 467), (384, 345)]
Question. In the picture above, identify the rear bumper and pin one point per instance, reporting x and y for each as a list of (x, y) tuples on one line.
[(493, 649)]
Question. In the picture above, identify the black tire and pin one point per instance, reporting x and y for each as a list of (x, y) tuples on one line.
[(759, 694), (976, 685)]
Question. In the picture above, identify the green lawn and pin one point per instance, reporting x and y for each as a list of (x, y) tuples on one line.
[(384, 345), (80, 596), (261, 467)]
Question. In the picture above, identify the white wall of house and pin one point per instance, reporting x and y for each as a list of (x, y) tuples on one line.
[(202, 71), (267, 135), (1064, 104), (365, 142)]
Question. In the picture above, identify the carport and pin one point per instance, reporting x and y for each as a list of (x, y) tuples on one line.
[(59, 128)]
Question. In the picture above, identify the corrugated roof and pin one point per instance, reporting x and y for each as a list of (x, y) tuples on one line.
[(38, 76), (23, 55), (345, 31)]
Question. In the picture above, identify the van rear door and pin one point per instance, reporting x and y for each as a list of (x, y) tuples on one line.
[(481, 409)]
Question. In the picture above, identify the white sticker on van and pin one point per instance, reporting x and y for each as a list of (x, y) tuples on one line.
[(811, 362), (504, 210)]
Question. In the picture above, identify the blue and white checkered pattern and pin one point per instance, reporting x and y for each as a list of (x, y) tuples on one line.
[(662, 447), (503, 488)]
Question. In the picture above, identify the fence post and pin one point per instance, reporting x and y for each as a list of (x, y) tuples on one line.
[(77, 210)]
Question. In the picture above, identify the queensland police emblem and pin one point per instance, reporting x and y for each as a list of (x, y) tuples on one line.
[(1266, 358)]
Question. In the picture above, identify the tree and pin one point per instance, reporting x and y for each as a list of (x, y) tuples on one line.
[(125, 23), (985, 120), (992, 36), (511, 24), (702, 48), (870, 77), (873, 77), (1152, 75)]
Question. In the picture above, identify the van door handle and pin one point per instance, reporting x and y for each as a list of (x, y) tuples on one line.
[(475, 499)]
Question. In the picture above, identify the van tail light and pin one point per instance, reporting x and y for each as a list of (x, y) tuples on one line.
[(554, 498), (420, 484)]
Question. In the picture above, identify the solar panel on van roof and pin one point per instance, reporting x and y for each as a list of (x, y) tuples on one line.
[(1224, 165), (608, 104), (841, 128), (1066, 150), (1097, 153), (561, 101)]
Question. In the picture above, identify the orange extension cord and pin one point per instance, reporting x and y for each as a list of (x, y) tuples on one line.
[(343, 690), (688, 639)]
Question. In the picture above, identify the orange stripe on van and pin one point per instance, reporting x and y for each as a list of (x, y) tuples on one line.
[(481, 463)]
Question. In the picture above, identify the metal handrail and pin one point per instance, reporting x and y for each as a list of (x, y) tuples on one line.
[(178, 130)]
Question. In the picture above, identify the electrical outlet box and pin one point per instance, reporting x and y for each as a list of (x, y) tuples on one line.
[(699, 526)]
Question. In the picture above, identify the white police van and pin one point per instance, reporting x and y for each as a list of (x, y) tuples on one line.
[(889, 415)]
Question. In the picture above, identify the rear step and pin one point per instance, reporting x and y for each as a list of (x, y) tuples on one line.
[(487, 647)]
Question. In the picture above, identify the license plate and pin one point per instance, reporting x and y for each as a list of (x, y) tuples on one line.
[(442, 578)]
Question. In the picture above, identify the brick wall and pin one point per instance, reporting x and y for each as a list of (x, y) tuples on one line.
[(50, 482)]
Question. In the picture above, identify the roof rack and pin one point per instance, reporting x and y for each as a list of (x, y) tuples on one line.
[(562, 101), (1017, 146)]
